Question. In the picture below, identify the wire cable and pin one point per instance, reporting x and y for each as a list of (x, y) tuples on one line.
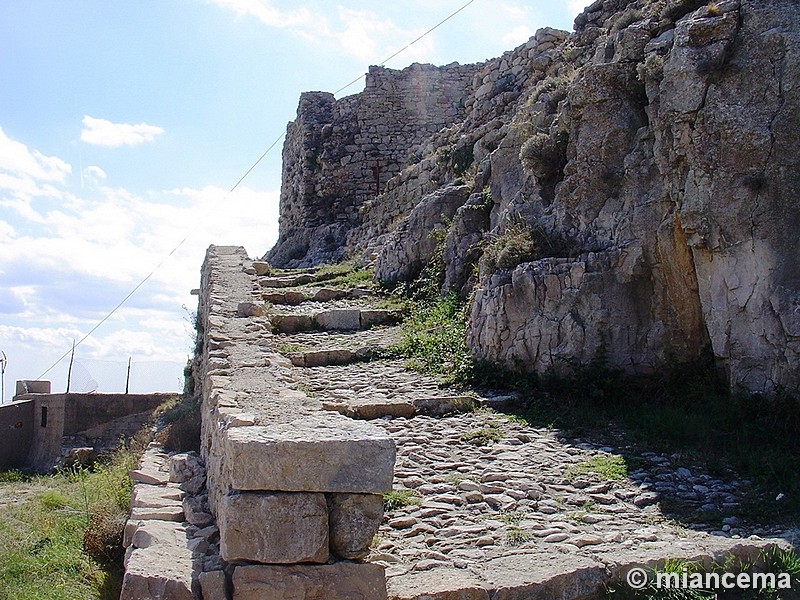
[(241, 179), (407, 46)]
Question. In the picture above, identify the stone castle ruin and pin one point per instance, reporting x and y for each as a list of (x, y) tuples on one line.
[(629, 188), (644, 167)]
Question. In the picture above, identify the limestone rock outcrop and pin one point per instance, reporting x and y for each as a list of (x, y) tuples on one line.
[(630, 188)]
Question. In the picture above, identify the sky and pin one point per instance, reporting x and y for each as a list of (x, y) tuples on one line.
[(123, 126)]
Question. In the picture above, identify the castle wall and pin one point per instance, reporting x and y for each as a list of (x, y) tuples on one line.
[(334, 149)]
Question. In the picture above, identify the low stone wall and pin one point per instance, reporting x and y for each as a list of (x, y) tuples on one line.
[(295, 489)]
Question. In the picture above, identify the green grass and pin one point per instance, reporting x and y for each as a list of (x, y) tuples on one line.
[(289, 348), (456, 478), (62, 539), (399, 498), (483, 436), (433, 339), (345, 275), (516, 536), (772, 560), (511, 518), (607, 467)]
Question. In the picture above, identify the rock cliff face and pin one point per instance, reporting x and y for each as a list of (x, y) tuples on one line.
[(630, 188)]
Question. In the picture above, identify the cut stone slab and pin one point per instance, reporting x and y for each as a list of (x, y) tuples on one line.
[(130, 528), (705, 552), (292, 323), (343, 319), (324, 358), (437, 584), (278, 528), (338, 581), (251, 309), (282, 282), (153, 496), (261, 268), (163, 513), (161, 568), (324, 452), (371, 317), (369, 410), (354, 521), (328, 294), (149, 476), (526, 576), (438, 407), (213, 585)]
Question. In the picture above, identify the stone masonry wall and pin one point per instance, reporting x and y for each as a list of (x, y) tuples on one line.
[(452, 156), (333, 148), (649, 153), (296, 490)]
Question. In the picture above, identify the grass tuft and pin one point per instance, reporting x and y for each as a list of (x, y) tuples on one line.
[(483, 436), (400, 498), (608, 467)]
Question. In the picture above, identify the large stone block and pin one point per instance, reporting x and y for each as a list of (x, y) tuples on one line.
[(339, 581), (275, 528), (339, 319), (324, 452), (438, 584), (354, 521), (159, 564)]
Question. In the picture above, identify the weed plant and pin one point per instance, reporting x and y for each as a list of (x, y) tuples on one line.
[(62, 538), (772, 560), (345, 275), (398, 499)]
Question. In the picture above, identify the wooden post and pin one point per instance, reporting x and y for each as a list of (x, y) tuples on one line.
[(128, 378), (3, 361), (71, 360)]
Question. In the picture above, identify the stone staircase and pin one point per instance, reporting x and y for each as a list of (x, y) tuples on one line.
[(305, 429)]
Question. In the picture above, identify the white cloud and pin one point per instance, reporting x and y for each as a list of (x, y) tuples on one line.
[(102, 132), (94, 174), (18, 160), (268, 14), (361, 34), (67, 259), (368, 37), (576, 6), (517, 35)]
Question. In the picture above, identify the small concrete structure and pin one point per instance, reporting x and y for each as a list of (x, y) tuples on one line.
[(38, 425)]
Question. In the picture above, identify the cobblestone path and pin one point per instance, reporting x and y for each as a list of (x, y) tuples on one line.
[(484, 502)]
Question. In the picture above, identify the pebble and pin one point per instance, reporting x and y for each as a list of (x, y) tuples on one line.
[(402, 522)]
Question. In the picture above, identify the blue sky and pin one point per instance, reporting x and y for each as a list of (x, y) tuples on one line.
[(122, 126)]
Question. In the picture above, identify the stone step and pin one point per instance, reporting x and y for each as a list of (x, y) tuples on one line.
[(337, 581), (343, 319), (369, 409), (543, 575), (295, 297), (333, 356), (285, 281), (324, 349)]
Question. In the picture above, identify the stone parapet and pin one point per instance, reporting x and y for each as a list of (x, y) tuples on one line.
[(289, 482)]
